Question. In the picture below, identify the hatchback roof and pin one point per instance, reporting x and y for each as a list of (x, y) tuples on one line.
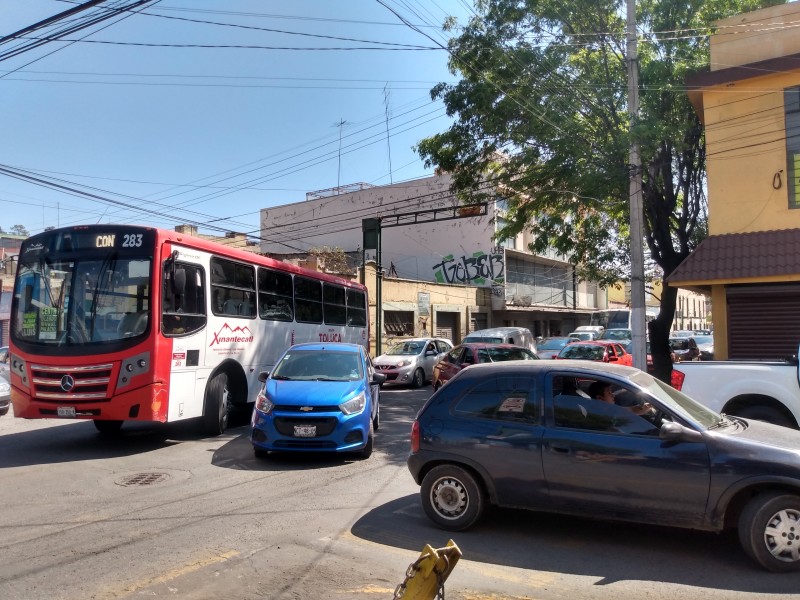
[(483, 369), (338, 346)]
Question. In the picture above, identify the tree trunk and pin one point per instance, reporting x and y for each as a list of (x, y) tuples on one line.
[(659, 334)]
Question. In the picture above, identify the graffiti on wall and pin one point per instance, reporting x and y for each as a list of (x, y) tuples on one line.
[(480, 269)]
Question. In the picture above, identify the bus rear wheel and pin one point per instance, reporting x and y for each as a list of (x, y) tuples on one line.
[(215, 407)]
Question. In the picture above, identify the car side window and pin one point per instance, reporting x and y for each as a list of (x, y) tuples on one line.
[(453, 356), (501, 398), (573, 411), (467, 357)]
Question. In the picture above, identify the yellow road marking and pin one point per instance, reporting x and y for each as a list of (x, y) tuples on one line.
[(180, 571)]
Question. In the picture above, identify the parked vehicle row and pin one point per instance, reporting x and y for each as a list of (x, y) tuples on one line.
[(551, 346), (468, 354), (516, 336), (411, 361), (598, 350)]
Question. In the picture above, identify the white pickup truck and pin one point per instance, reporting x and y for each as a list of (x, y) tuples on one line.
[(762, 390)]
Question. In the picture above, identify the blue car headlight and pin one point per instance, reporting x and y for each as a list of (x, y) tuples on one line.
[(354, 406), (263, 403)]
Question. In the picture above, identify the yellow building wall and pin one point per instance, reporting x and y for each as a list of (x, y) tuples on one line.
[(746, 156), (739, 40), (745, 124)]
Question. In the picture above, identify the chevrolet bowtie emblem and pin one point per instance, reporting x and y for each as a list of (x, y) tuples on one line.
[(306, 408)]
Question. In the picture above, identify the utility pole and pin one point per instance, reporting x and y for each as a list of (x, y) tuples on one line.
[(638, 316)]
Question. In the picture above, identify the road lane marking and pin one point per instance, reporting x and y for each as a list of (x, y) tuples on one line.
[(178, 572)]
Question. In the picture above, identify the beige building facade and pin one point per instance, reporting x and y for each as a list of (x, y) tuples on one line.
[(442, 269)]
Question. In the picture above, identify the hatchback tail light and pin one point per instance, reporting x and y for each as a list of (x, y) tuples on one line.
[(415, 437), (676, 379)]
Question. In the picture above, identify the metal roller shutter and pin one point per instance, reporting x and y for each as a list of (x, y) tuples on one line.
[(447, 325), (763, 321)]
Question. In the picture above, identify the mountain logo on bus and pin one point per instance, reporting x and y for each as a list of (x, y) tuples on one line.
[(232, 335)]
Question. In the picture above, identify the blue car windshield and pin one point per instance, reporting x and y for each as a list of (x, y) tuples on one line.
[(318, 365)]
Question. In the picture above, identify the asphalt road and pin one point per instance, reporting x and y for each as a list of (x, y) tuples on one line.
[(163, 512)]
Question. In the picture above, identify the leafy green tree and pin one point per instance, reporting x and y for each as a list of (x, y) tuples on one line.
[(541, 115), (19, 230)]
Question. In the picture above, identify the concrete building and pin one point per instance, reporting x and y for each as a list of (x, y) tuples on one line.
[(692, 310), (749, 103), (428, 238), (9, 251)]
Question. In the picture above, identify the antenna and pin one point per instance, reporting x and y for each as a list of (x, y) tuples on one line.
[(340, 125), (388, 144)]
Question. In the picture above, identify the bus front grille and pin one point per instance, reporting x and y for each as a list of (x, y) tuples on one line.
[(86, 383)]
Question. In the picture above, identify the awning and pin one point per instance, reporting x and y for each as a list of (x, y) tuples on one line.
[(763, 256)]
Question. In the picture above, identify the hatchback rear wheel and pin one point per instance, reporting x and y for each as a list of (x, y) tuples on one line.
[(452, 497)]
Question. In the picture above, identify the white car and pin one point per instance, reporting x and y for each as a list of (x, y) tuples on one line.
[(410, 362), (5, 395)]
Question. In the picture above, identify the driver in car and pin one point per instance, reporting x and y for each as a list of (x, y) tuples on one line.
[(603, 391)]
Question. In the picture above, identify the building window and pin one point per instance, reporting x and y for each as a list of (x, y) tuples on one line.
[(398, 322), (791, 103)]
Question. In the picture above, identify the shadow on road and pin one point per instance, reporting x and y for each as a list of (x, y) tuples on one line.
[(79, 440), (561, 544)]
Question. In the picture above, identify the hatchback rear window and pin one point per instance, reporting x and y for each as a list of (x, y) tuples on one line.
[(509, 398)]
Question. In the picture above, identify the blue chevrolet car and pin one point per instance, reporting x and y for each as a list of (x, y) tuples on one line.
[(318, 398)]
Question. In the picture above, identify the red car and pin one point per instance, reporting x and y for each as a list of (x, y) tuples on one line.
[(599, 350), (473, 353)]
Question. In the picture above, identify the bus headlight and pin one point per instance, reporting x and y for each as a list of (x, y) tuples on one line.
[(263, 403), (354, 406)]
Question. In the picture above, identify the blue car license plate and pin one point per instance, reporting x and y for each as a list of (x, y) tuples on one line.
[(305, 430)]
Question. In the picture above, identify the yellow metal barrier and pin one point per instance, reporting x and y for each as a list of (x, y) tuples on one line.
[(425, 577)]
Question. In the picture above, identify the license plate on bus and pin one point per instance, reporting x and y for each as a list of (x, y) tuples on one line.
[(66, 411), (305, 430)]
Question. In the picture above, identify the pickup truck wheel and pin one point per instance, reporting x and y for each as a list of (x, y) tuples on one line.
[(452, 498), (769, 531), (764, 413)]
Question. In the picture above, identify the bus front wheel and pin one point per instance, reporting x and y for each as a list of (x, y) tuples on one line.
[(215, 409)]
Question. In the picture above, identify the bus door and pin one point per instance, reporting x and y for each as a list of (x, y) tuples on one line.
[(183, 323)]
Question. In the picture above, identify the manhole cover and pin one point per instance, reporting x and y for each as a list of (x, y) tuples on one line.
[(143, 479)]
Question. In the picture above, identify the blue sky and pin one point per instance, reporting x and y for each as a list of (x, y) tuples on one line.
[(211, 135)]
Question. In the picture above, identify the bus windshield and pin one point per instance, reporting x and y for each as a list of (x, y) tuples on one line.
[(80, 301)]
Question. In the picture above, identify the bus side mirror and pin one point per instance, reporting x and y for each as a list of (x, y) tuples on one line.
[(179, 281)]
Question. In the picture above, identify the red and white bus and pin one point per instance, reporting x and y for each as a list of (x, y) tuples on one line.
[(119, 323)]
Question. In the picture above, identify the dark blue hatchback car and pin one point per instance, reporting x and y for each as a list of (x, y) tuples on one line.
[(528, 435), (319, 397)]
